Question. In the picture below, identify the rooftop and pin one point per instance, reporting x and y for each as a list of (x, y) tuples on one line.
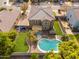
[(7, 19), (41, 12)]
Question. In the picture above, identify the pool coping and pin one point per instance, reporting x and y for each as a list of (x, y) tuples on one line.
[(46, 51)]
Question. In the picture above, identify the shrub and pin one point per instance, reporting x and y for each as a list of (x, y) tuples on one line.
[(34, 56), (12, 35)]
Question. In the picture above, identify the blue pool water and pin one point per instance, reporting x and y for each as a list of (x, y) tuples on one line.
[(48, 44)]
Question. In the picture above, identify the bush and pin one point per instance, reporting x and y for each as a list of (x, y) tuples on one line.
[(12, 35), (77, 36), (72, 37), (7, 46), (1, 9), (34, 56), (64, 38)]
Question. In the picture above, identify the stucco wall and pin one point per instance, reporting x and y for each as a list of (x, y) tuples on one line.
[(72, 18)]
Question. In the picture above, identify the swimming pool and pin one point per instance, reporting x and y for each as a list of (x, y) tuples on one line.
[(46, 45)]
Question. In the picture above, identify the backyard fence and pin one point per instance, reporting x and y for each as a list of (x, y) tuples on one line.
[(25, 55)]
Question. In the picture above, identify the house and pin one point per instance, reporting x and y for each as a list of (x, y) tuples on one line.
[(8, 19), (4, 3), (41, 16), (73, 18), (38, 1)]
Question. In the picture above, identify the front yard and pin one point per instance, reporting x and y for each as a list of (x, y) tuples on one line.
[(57, 28), (21, 45)]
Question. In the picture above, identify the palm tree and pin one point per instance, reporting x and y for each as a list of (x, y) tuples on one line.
[(31, 38), (49, 55), (24, 7)]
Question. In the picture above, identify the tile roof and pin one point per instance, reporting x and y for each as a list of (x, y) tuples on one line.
[(23, 22), (41, 12), (7, 19)]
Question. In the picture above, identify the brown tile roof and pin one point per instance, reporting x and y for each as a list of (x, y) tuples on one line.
[(7, 19)]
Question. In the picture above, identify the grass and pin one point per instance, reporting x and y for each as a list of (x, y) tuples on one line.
[(20, 43), (57, 28)]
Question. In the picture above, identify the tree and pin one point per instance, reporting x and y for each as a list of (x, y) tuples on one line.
[(6, 45), (69, 49), (31, 39), (49, 55), (31, 36), (12, 35), (24, 7), (64, 38), (52, 55), (34, 56)]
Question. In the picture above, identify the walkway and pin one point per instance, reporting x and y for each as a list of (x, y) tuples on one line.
[(67, 29)]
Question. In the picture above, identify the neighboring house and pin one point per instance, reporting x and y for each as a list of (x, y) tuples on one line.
[(8, 19), (41, 16), (4, 3), (37, 1), (70, 0), (73, 18)]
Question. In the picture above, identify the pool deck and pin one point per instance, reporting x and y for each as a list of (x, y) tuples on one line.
[(37, 50)]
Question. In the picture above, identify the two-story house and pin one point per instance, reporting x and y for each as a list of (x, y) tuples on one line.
[(41, 16), (73, 18)]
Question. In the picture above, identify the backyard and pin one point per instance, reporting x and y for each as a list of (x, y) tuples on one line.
[(21, 45), (57, 28)]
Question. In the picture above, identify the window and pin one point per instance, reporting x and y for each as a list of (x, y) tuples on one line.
[(70, 16), (68, 19)]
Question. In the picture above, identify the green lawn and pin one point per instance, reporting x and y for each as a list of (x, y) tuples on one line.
[(20, 43), (57, 28)]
